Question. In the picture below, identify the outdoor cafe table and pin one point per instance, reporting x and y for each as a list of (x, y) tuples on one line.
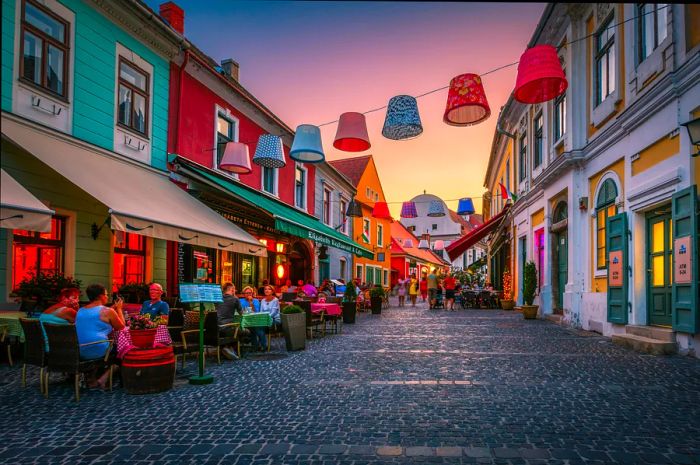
[(256, 320), (330, 309), (11, 320), (124, 344)]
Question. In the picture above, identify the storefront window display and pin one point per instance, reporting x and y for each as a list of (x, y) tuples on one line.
[(129, 259), (34, 252)]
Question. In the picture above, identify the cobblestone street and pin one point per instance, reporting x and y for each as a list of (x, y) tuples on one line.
[(409, 386)]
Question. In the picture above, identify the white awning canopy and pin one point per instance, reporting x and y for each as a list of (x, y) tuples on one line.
[(140, 199), (19, 209)]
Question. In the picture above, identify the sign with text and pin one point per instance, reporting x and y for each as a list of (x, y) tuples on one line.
[(200, 293), (615, 270), (682, 260)]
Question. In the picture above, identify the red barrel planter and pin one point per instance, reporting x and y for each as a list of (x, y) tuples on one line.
[(143, 338), (146, 371)]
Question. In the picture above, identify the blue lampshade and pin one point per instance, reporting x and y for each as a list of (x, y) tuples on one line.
[(465, 206), (436, 208), (307, 146), (408, 210), (402, 118), (269, 152)]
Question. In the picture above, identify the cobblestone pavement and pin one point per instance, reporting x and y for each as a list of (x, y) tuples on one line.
[(409, 386)]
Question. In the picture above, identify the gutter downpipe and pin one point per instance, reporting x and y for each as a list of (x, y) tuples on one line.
[(181, 76)]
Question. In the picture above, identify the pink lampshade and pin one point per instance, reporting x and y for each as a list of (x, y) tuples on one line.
[(540, 75), (439, 245), (236, 158), (381, 211), (352, 135), (466, 101)]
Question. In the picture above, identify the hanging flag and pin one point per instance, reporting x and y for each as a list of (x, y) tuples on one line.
[(365, 236), (506, 194)]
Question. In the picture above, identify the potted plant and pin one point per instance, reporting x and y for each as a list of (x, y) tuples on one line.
[(294, 327), (40, 290), (143, 330), (134, 293), (529, 288), (507, 302), (376, 297), (349, 303)]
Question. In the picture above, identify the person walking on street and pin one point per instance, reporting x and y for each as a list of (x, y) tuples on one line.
[(402, 291), (413, 290), (450, 284), (424, 288), (432, 288)]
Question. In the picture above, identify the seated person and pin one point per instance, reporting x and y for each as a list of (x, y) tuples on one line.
[(252, 305), (94, 322), (61, 313), (310, 289), (288, 287), (155, 307), (321, 297), (261, 289), (225, 312)]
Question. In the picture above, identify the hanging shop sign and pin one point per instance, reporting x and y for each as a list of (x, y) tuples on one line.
[(246, 222), (615, 273), (682, 260)]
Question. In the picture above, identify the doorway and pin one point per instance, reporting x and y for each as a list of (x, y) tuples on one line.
[(561, 252), (299, 263), (659, 263)]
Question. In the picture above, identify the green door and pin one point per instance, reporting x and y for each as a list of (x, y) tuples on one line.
[(659, 269), (562, 264), (686, 283), (616, 239)]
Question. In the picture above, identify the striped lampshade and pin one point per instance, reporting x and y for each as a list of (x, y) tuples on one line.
[(408, 210)]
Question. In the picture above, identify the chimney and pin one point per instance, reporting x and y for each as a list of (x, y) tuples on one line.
[(174, 15), (231, 68)]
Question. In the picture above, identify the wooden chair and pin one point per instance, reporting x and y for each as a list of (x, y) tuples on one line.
[(5, 341), (183, 341), (34, 349), (65, 356), (214, 338), (314, 321)]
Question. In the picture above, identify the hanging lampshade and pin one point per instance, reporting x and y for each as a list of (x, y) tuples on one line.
[(439, 245), (381, 211), (466, 101), (236, 158), (408, 243), (402, 119), (423, 244), (540, 75), (408, 210), (354, 209), (465, 206), (436, 208), (269, 152), (351, 135), (307, 146)]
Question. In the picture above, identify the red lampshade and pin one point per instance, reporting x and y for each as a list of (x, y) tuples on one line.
[(352, 135), (381, 211), (540, 75), (466, 101)]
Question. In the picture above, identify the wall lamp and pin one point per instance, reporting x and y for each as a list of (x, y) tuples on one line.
[(693, 127)]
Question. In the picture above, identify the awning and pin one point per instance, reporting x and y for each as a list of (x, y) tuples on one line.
[(287, 219), (140, 199), (19, 209), (461, 245)]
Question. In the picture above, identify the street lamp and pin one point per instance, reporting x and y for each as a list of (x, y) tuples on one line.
[(693, 127)]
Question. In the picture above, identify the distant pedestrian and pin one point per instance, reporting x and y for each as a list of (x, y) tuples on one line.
[(402, 291), (423, 288), (450, 283), (432, 288), (413, 289)]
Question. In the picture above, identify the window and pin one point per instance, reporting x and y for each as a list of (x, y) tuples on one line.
[(539, 143), (385, 276), (522, 157), (365, 230), (132, 103), (605, 61), (380, 235), (376, 197), (129, 259), (368, 193), (559, 117), (605, 208), (300, 187), (44, 49), (434, 226), (539, 253), (358, 272), (412, 228), (343, 217), (327, 206), (225, 132), (343, 268), (34, 252), (269, 180), (369, 274), (652, 27), (508, 173)]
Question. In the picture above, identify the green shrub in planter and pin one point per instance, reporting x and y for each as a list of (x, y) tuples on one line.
[(529, 288), (294, 327), (291, 309), (376, 296), (349, 303)]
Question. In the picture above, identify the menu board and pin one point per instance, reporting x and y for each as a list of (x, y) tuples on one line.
[(683, 260), (200, 293), (615, 273)]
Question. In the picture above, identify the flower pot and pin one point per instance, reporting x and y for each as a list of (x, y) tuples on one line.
[(143, 338), (507, 304), (349, 311), (376, 305), (294, 328), (530, 311)]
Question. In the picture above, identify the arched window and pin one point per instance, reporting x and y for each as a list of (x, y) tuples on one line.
[(561, 212), (604, 208)]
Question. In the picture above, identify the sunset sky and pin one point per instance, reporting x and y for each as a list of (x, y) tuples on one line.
[(311, 61)]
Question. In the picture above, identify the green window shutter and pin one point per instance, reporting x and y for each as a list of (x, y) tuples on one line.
[(685, 314), (616, 240)]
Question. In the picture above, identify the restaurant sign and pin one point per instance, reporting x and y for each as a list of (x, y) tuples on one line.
[(682, 260), (329, 241), (615, 275)]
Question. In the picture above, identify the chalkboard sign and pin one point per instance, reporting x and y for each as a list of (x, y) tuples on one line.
[(200, 293), (180, 262)]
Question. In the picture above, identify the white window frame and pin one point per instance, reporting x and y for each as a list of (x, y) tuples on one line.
[(594, 215), (380, 235), (360, 268), (368, 222), (342, 268), (227, 115), (326, 189), (602, 110), (385, 277), (343, 218), (301, 167), (275, 181)]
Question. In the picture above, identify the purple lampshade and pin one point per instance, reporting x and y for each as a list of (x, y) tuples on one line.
[(408, 210)]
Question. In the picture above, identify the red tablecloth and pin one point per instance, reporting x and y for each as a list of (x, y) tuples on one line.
[(123, 339), (331, 309)]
